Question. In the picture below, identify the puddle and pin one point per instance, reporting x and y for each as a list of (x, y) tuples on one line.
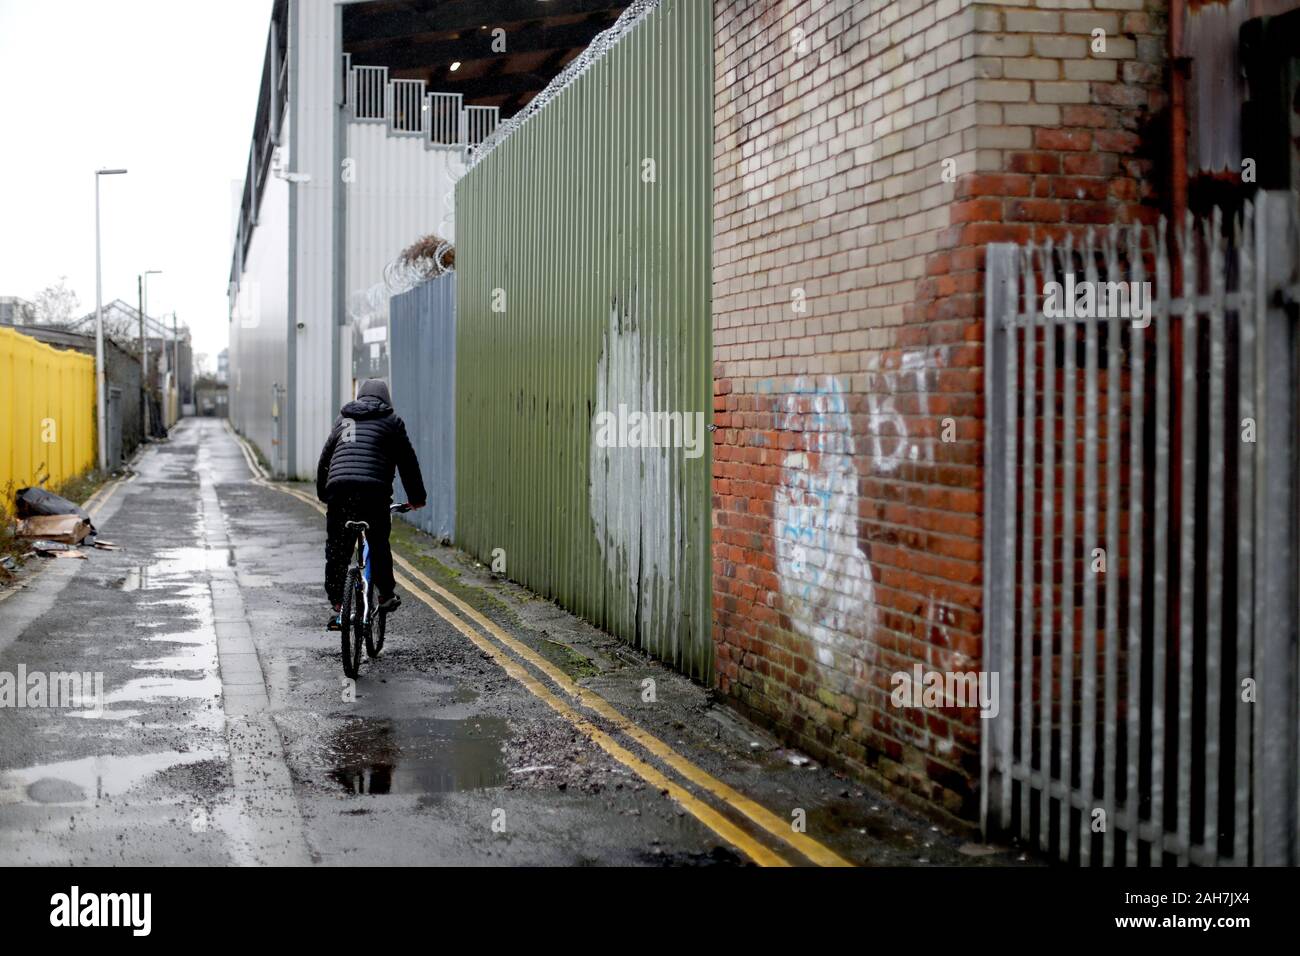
[(188, 676), (89, 779), (186, 663), (199, 659), (152, 689), (420, 756), (176, 567), (200, 635)]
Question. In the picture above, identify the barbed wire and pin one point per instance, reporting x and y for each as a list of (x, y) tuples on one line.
[(636, 11), (414, 264), (424, 259)]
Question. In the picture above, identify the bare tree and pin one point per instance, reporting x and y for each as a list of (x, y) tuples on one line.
[(56, 304)]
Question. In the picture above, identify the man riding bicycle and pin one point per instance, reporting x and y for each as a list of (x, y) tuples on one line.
[(354, 478)]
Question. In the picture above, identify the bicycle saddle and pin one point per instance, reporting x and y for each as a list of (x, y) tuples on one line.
[(364, 525)]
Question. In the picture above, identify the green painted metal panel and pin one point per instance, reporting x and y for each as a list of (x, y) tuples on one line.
[(606, 283)]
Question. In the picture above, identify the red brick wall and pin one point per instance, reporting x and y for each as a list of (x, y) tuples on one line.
[(846, 528)]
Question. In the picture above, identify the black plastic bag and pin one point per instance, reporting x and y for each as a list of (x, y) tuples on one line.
[(30, 502)]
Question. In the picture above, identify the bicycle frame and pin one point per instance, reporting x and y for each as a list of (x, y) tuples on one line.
[(368, 625), (364, 564), (363, 549)]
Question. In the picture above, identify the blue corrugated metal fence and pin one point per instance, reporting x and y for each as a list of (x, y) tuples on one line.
[(423, 357)]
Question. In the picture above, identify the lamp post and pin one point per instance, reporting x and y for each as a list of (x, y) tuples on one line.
[(144, 348), (176, 365), (101, 417)]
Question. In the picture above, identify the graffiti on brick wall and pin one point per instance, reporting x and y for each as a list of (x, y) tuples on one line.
[(827, 583), (891, 445), (825, 580)]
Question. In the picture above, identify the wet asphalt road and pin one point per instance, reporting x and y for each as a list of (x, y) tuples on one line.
[(228, 735)]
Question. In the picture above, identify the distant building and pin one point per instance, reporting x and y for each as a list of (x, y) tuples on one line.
[(223, 367), (16, 311), (170, 349)]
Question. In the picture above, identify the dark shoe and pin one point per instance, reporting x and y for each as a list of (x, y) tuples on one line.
[(336, 622), (390, 605)]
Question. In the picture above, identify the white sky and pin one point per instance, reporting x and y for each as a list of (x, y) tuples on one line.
[(166, 89)]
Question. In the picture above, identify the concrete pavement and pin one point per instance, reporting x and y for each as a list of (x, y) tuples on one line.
[(495, 728)]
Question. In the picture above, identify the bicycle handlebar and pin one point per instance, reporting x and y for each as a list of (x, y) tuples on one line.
[(400, 508)]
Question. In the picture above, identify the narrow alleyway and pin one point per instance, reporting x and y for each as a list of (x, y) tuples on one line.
[(495, 728)]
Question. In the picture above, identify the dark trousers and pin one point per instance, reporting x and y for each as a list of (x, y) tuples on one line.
[(340, 543)]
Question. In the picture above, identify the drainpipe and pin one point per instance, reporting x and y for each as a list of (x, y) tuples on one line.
[(1178, 70)]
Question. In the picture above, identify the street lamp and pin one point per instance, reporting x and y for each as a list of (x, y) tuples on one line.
[(100, 396), (144, 348)]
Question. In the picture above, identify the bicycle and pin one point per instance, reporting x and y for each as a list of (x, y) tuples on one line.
[(360, 618)]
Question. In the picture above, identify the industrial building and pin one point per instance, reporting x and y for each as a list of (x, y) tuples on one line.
[(366, 114)]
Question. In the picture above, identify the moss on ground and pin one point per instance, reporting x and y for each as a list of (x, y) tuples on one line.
[(415, 545)]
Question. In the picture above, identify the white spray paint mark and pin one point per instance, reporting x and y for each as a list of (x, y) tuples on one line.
[(889, 441), (636, 507)]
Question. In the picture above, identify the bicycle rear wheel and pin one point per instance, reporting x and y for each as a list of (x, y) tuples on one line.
[(375, 635), (375, 632), (353, 625)]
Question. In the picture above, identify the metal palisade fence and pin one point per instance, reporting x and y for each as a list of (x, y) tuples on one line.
[(1141, 542), (583, 253)]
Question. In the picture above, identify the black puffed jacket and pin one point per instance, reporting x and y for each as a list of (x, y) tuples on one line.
[(366, 445)]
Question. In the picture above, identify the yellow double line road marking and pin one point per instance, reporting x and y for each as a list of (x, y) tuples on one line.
[(507, 656), (94, 504), (701, 811), (755, 812)]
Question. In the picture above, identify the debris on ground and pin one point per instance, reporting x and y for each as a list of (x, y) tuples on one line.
[(51, 547), (35, 502), (64, 528), (980, 849), (50, 526)]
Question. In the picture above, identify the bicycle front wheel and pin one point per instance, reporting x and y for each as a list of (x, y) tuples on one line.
[(353, 625)]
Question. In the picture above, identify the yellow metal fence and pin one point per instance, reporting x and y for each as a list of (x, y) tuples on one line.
[(47, 413)]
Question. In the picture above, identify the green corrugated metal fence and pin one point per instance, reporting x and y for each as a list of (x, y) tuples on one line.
[(605, 283)]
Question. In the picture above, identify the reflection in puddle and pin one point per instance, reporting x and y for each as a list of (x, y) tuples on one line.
[(202, 661), (420, 756), (199, 635), (177, 567), (149, 689)]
